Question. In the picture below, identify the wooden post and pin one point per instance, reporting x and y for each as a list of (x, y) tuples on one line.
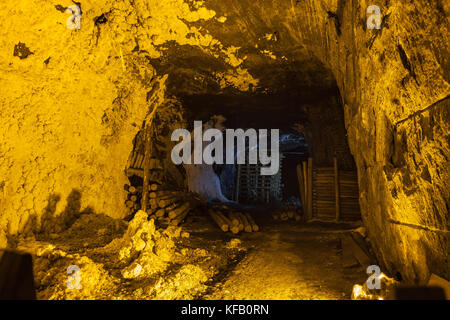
[(301, 185), (147, 157), (305, 183), (310, 173), (336, 188)]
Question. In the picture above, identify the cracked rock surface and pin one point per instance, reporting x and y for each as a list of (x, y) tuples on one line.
[(71, 101)]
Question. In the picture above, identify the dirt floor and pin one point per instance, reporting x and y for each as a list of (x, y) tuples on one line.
[(288, 260), (285, 260)]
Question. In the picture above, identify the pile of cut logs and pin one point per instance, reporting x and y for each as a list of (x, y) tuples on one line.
[(168, 207), (288, 212), (233, 221), (133, 202)]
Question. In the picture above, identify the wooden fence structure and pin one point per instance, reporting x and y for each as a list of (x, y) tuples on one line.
[(328, 193), (252, 187), (136, 164)]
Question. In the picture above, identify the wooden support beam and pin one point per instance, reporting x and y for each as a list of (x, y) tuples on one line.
[(310, 200), (136, 172), (336, 188), (147, 156), (305, 183), (301, 185)]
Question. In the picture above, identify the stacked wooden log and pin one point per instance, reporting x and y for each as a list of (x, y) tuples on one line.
[(324, 196), (285, 213), (168, 207), (136, 165), (229, 220), (133, 202), (165, 206), (335, 197)]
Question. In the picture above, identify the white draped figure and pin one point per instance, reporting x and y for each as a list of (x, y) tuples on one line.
[(201, 178)]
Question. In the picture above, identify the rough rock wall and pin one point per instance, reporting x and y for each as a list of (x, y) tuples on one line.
[(394, 84), (395, 89), (70, 106), (68, 122)]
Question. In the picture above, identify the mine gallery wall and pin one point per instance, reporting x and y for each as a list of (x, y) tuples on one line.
[(73, 101)]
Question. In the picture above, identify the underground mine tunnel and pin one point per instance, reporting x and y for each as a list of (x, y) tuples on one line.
[(138, 139)]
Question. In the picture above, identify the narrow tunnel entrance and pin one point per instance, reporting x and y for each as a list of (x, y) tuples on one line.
[(228, 204), (311, 130), (172, 230)]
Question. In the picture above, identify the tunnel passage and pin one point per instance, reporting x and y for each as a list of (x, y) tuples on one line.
[(310, 120), (232, 200), (393, 87)]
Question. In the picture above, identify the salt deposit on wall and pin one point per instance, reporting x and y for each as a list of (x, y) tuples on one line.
[(72, 101)]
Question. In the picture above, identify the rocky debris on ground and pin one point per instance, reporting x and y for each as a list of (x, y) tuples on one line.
[(234, 243), (386, 291), (145, 250), (144, 263), (186, 284)]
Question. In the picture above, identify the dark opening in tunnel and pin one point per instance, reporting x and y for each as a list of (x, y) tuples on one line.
[(259, 64), (302, 101)]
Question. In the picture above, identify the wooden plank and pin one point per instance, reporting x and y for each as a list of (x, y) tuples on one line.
[(305, 183), (16, 276), (363, 259), (336, 188), (348, 259), (134, 171), (141, 161), (310, 200), (133, 159), (300, 184), (147, 155)]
